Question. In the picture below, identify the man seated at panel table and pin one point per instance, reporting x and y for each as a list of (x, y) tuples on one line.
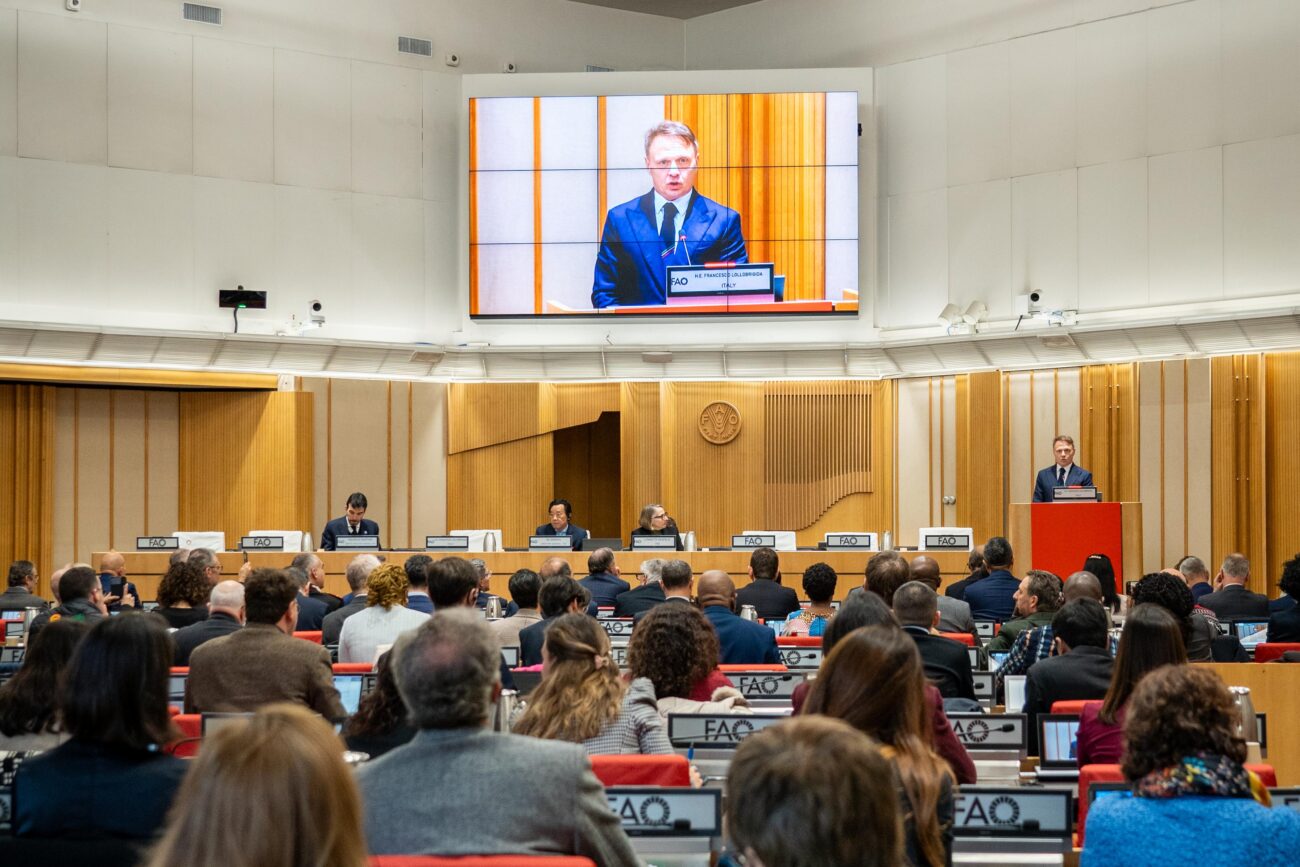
[(559, 525), (458, 788), (352, 523), (993, 597), (740, 641), (764, 591)]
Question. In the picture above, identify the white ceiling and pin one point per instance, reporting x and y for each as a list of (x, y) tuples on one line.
[(670, 8)]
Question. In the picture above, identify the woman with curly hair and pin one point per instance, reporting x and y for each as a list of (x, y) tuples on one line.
[(183, 595), (380, 722), (819, 582), (583, 700), (1200, 635), (676, 647), (1191, 791), (386, 616)]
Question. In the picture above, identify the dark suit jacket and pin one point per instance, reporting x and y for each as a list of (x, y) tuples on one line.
[(256, 666), (605, 588), (1083, 673), (311, 613), (17, 598), (771, 600), (742, 641), (106, 580), (957, 589), (638, 599), (332, 603), (1045, 484), (422, 603), (947, 664), (630, 267), (339, 527), (531, 639), (1281, 603), (1235, 602), (332, 626), (185, 640), (639, 532), (574, 532), (668, 600), (991, 598), (1285, 625)]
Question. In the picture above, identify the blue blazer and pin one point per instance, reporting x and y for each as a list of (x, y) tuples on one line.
[(573, 531), (1045, 486), (742, 641), (604, 587), (630, 265), (339, 527), (992, 598)]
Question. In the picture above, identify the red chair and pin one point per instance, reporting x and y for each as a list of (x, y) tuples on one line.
[(480, 861), (1072, 706), (962, 637), (1266, 652), (178, 670), (353, 668), (766, 666), (191, 726), (635, 770), (798, 641), (315, 636)]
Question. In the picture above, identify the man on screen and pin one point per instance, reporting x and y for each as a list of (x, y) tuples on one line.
[(669, 225)]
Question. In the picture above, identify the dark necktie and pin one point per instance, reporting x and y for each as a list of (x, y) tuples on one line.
[(668, 231), (1060, 475)]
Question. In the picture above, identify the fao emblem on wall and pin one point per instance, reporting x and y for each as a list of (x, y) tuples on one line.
[(719, 422)]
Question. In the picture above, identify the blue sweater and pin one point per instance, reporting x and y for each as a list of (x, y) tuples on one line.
[(1150, 832)]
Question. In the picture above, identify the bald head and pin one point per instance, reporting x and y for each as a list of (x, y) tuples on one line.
[(1082, 585), (926, 570), (716, 588), (554, 566), (112, 562), (227, 598)]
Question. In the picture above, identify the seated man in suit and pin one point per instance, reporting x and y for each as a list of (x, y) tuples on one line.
[(525, 586), (458, 788), (559, 595), (1037, 600), (1061, 474), (954, 613), (647, 594), (353, 523), (20, 593), (118, 592), (741, 642), (947, 662), (311, 612), (225, 615), (358, 573), (1284, 625), (1080, 670), (676, 582), (764, 590), (315, 569), (993, 597), (1232, 601), (672, 224), (263, 663), (417, 580), (602, 580), (561, 511)]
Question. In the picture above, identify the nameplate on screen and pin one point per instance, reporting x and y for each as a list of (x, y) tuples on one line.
[(157, 543), (801, 658), (446, 543), (14, 628), (719, 279), (656, 811), (352, 543), (654, 543), (983, 685), (753, 540), (550, 543), (261, 543), (987, 811), (986, 731), (769, 685), (851, 542), (617, 626), (510, 654), (11, 655), (716, 730)]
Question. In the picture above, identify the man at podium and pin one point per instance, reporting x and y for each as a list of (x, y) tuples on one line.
[(1062, 474)]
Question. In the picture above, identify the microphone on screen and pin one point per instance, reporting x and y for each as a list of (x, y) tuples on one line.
[(686, 249)]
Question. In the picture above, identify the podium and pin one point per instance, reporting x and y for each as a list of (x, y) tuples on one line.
[(1059, 537)]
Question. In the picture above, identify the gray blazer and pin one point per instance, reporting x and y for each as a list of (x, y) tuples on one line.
[(954, 616), (471, 791)]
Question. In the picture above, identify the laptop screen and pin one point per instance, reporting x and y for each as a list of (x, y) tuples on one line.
[(1251, 632), (1058, 739), (176, 691), (349, 687), (1014, 685)]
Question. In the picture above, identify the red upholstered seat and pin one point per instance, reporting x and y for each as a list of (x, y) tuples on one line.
[(964, 637), (766, 666), (480, 861), (314, 635), (636, 770), (191, 726), (799, 640), (1267, 652), (178, 670), (353, 668), (1074, 706)]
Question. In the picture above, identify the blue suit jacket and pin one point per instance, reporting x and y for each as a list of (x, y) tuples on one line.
[(992, 598), (339, 527), (742, 641), (630, 265), (604, 587), (573, 531), (1045, 486)]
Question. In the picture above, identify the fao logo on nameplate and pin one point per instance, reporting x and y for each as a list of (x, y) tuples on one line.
[(720, 422)]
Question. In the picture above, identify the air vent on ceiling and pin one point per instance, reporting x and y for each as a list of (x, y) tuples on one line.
[(203, 14), (591, 68), (411, 45)]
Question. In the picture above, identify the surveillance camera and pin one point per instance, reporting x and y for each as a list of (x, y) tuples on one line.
[(317, 313), (1035, 297), (509, 67), (72, 5), (451, 59)]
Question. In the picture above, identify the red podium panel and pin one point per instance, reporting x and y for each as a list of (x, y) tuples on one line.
[(1065, 534)]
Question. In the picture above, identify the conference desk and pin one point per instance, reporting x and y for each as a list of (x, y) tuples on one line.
[(145, 568)]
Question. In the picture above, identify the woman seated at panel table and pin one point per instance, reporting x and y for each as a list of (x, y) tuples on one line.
[(654, 521), (1191, 793)]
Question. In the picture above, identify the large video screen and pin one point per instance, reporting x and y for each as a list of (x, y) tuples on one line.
[(697, 204)]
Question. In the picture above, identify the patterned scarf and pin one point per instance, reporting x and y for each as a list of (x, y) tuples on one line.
[(1203, 774)]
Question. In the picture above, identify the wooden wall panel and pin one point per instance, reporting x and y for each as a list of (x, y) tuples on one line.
[(92, 504), (427, 481), (639, 449), (325, 505), (27, 415), (917, 479), (949, 448), (583, 402), (1239, 452), (1151, 417), (128, 480), (358, 434), (981, 498), (163, 462), (504, 486), (1198, 469), (1282, 393), (1022, 461), (482, 416), (1109, 426)]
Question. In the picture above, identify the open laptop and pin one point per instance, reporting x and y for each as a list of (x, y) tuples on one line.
[(1058, 746), (590, 544), (1251, 633), (349, 687)]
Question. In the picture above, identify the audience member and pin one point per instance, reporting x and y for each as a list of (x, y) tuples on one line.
[(559, 595), (885, 573), (1103, 570), (583, 700), (764, 590), (207, 562), (1037, 642), (1284, 623), (380, 723), (1036, 600), (56, 575), (1081, 668), (484, 574), (977, 570), (182, 594), (263, 663), (452, 583), (81, 600), (357, 574), (741, 641), (225, 615), (525, 586), (311, 612), (954, 614), (1151, 638), (676, 647), (109, 779), (417, 580), (118, 592), (180, 555), (21, 592), (883, 663), (1196, 575), (479, 791), (654, 521), (386, 616), (992, 598), (1232, 601), (28, 700), (315, 569), (785, 810), (267, 791), (1200, 635), (819, 583), (946, 662), (1191, 793), (647, 594), (677, 584), (553, 566), (602, 580)]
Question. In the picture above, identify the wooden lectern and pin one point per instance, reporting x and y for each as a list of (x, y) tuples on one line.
[(1059, 537)]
